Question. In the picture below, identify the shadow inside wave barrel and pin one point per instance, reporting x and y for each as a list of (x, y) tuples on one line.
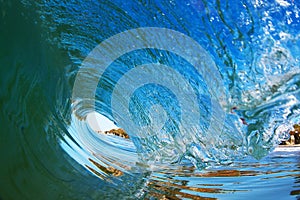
[(35, 110)]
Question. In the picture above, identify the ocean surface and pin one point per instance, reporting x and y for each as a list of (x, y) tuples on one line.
[(205, 91)]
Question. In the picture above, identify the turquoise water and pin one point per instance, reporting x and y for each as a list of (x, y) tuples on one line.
[(202, 89)]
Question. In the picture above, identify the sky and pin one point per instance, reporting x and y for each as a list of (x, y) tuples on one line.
[(99, 122)]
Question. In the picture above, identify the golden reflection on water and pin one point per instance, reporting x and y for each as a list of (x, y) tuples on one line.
[(297, 182), (176, 183), (187, 182), (169, 188), (108, 170)]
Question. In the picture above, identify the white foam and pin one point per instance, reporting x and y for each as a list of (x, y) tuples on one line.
[(288, 148)]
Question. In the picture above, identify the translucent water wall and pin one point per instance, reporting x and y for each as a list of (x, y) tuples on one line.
[(190, 82)]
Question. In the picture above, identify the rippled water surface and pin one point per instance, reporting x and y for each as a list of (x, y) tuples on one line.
[(205, 91)]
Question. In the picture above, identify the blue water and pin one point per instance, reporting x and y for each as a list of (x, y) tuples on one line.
[(205, 91), (275, 176)]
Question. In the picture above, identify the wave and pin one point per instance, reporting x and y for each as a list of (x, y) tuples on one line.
[(191, 83)]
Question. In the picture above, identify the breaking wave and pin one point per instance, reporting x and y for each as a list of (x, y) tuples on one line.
[(242, 103)]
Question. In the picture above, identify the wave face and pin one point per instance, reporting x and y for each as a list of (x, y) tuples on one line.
[(190, 82)]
